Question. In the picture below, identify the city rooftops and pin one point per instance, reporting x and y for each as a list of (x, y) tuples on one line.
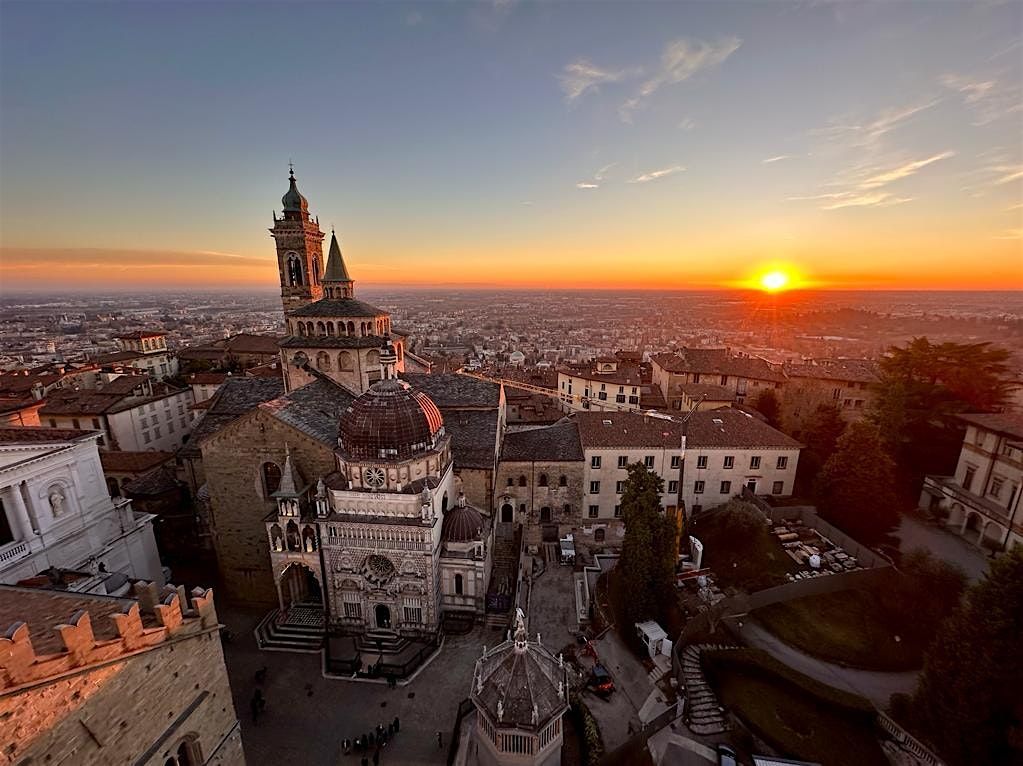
[(42, 435), (555, 443), (338, 307), (849, 370), (141, 335), (730, 427), (716, 361), (627, 429)]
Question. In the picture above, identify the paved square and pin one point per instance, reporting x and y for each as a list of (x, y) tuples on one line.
[(308, 715)]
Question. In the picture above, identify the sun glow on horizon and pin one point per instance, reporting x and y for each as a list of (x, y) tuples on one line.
[(775, 281)]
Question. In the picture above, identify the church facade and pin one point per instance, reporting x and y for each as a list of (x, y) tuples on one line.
[(347, 497)]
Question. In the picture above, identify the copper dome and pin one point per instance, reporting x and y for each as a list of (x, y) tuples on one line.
[(390, 421), (462, 524)]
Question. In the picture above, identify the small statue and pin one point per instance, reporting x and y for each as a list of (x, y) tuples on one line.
[(57, 502)]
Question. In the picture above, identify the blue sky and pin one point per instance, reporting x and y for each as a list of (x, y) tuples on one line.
[(518, 143)]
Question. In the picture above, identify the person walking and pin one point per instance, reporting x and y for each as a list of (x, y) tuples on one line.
[(440, 740), (376, 757), (397, 725)]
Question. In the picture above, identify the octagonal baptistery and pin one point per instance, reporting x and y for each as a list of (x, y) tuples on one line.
[(520, 691), (392, 436)]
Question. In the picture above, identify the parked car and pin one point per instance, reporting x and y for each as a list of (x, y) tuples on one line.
[(727, 756), (600, 681)]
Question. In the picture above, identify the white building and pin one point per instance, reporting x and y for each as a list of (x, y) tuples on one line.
[(728, 449), (131, 413), (611, 442), (145, 351), (55, 512), (605, 384), (982, 499)]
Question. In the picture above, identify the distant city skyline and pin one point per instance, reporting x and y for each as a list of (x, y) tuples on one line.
[(515, 144)]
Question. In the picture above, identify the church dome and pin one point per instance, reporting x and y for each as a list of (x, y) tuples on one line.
[(390, 421), (462, 524)]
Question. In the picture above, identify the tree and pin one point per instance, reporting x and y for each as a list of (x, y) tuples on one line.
[(922, 387), (767, 404), (821, 432), (648, 551), (933, 586), (968, 701), (855, 488)]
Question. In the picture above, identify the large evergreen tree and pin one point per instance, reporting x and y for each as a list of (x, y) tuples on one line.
[(820, 435), (855, 488), (922, 387), (969, 701), (767, 404), (649, 549)]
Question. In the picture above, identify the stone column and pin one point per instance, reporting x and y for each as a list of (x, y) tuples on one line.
[(20, 512)]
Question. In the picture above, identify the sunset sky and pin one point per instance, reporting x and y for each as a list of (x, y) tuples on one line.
[(515, 144)]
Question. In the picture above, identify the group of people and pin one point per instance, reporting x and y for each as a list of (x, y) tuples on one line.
[(258, 702), (372, 742)]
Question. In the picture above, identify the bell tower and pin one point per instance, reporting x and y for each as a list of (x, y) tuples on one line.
[(299, 250)]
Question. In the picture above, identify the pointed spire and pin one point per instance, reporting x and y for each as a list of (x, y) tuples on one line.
[(291, 481), (335, 271)]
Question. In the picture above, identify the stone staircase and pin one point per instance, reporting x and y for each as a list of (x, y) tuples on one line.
[(503, 575), (300, 630), (662, 666), (704, 714)]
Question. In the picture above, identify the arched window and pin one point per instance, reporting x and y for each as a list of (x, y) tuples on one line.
[(545, 515), (351, 328), (598, 535), (309, 329), (344, 361), (330, 329), (276, 538), (271, 478), (372, 357), (112, 487), (295, 276), (362, 328), (511, 482), (294, 541), (522, 481), (316, 270), (301, 328), (543, 480), (562, 481), (567, 509), (321, 329), (444, 503), (323, 361), (458, 585)]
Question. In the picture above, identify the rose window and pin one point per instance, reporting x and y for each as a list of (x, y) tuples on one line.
[(378, 570)]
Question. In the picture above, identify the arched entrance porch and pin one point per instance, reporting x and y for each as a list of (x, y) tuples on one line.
[(507, 513), (382, 614), (298, 586)]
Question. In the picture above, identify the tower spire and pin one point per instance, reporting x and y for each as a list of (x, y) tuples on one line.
[(336, 281)]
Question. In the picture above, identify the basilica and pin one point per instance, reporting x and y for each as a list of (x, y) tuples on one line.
[(352, 494)]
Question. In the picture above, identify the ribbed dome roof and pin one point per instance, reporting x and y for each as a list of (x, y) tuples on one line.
[(390, 421), (462, 524)]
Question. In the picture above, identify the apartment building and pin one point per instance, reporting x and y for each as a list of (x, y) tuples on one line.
[(744, 376)]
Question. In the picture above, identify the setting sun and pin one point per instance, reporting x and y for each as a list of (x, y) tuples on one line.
[(773, 281)]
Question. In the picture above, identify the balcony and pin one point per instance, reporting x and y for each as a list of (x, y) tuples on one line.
[(13, 552), (949, 487)]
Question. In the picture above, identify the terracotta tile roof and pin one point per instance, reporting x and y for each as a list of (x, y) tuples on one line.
[(627, 429), (35, 434), (555, 443), (730, 427), (16, 403), (314, 409), (716, 361), (207, 378), (334, 341), (117, 461), (473, 437), (854, 370), (1006, 423), (140, 334)]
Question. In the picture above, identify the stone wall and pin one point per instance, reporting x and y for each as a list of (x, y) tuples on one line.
[(130, 700), (535, 497), (477, 484), (233, 460)]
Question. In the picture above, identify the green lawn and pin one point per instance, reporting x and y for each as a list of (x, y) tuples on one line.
[(852, 627), (791, 718), (750, 560)]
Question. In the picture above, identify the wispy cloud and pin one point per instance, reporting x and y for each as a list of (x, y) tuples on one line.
[(687, 123), (865, 186), (988, 98), (1009, 234), (777, 158), (680, 60), (413, 19), (598, 178), (860, 133), (581, 76), (653, 175)]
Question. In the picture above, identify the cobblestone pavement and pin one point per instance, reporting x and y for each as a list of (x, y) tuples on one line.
[(552, 607), (308, 715)]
